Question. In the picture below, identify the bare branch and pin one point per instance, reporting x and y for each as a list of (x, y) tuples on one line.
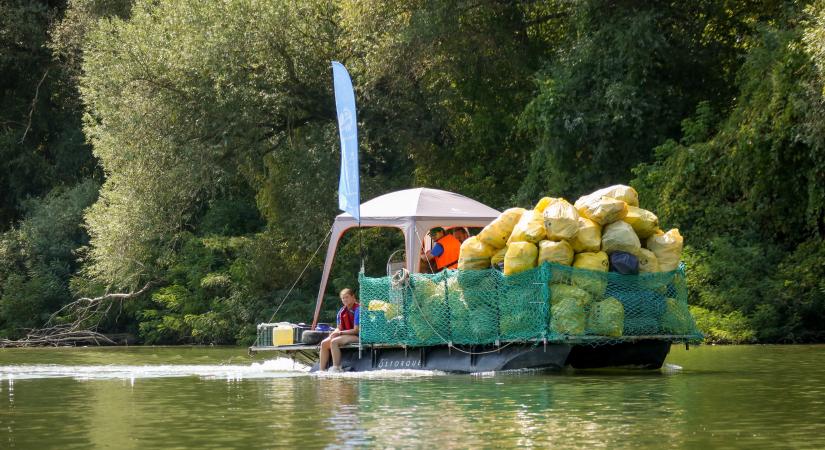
[(83, 327), (34, 103), (57, 336), (85, 303)]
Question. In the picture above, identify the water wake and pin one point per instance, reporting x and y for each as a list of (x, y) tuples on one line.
[(671, 368), (275, 368)]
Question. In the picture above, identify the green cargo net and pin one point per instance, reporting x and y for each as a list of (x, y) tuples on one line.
[(551, 302)]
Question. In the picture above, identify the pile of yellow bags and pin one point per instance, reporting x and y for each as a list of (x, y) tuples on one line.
[(580, 235), (598, 224)]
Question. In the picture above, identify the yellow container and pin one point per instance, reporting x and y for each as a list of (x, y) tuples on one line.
[(283, 334)]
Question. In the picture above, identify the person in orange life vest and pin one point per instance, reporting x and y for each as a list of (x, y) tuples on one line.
[(445, 251), (346, 332), (460, 233)]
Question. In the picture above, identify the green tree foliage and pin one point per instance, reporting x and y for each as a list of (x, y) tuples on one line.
[(626, 75), (447, 81), (41, 142), (190, 127), (213, 128), (68, 35), (747, 192), (180, 114), (47, 171), (38, 257)]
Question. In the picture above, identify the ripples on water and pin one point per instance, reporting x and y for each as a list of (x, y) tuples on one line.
[(715, 397), (275, 368)]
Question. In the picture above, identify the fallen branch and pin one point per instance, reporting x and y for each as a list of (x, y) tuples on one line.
[(87, 314), (58, 336)]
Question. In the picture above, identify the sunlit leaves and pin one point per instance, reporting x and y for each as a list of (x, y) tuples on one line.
[(185, 101)]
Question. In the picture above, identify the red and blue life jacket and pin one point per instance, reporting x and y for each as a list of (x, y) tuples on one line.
[(347, 318)]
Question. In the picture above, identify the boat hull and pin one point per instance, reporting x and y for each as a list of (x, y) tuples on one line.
[(456, 359), (642, 354)]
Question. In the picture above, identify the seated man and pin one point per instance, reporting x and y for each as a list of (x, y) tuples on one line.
[(346, 332), (460, 233), (445, 251)]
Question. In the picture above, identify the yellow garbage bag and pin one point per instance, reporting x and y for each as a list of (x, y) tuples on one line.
[(559, 292), (594, 279), (602, 210), (390, 309), (542, 204), (496, 233), (556, 252), (498, 256), (520, 256), (620, 192), (567, 317), (479, 288), (428, 318), (516, 322), (589, 237), (425, 288), (644, 222), (620, 237), (606, 318), (474, 255), (530, 228), (647, 261), (668, 249), (597, 261), (561, 220)]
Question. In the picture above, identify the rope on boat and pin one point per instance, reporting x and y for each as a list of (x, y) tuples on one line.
[(301, 275), (449, 343)]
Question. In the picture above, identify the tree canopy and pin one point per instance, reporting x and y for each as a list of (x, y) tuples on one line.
[(194, 144)]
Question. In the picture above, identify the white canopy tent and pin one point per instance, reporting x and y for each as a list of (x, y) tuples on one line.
[(414, 212)]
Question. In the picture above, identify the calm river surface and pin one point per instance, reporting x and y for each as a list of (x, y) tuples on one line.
[(122, 398)]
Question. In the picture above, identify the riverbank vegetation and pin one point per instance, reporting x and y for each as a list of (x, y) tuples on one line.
[(194, 145)]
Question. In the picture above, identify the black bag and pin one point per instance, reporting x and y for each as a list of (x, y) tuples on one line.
[(624, 263)]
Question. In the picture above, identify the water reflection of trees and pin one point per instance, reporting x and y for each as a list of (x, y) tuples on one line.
[(517, 411)]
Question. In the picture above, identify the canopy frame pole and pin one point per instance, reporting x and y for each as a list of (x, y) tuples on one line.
[(337, 232)]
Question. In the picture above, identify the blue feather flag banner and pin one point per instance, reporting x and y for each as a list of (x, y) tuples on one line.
[(349, 198)]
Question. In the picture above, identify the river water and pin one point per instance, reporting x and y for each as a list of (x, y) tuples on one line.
[(123, 398)]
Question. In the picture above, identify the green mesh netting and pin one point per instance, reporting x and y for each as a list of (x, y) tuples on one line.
[(552, 302)]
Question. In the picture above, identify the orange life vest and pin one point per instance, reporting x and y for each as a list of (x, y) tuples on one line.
[(452, 248)]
